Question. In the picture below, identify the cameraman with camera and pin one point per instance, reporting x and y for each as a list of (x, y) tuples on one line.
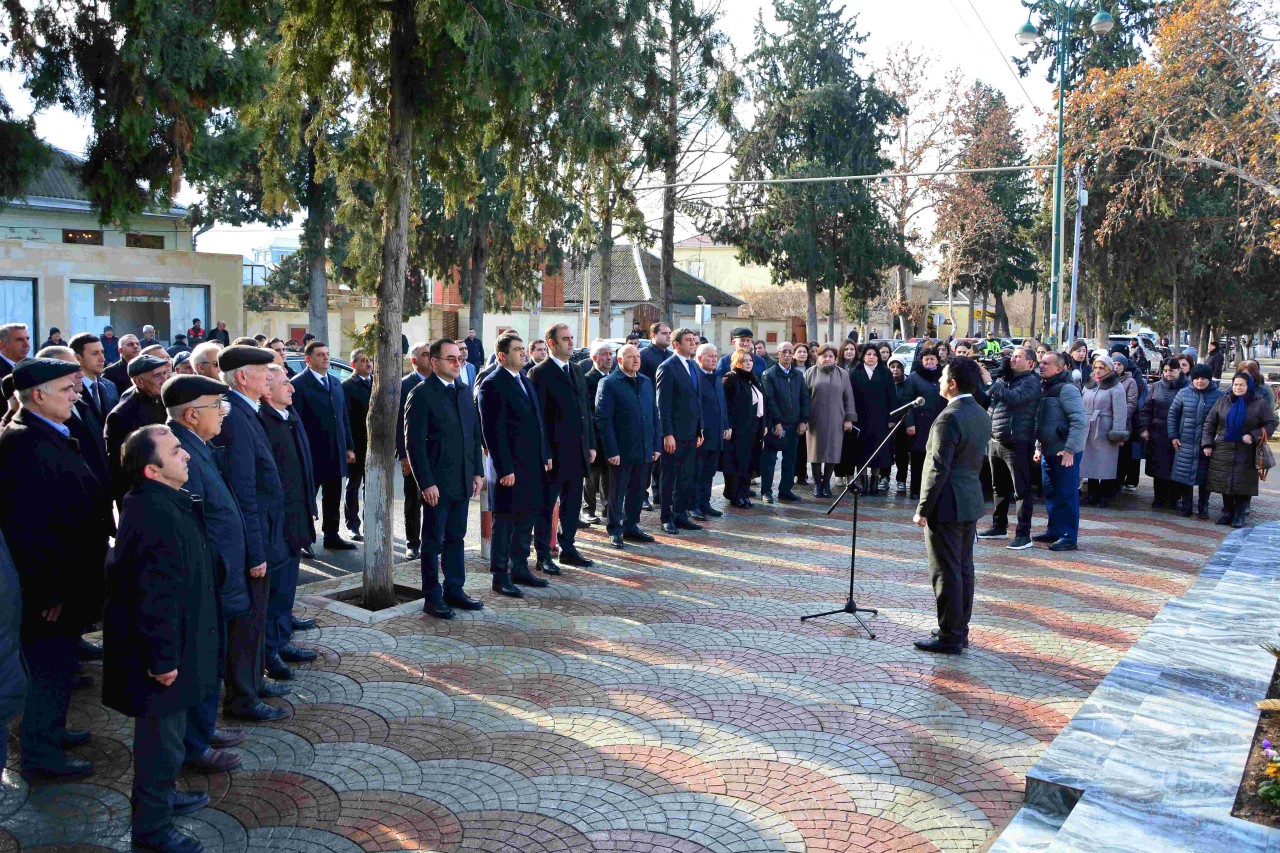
[(1014, 396)]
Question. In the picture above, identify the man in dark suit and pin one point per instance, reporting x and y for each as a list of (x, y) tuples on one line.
[(118, 372), (255, 482), (475, 350), (292, 452), (160, 630), (99, 395), (15, 345), (138, 409), (516, 467), (442, 437), (566, 420), (715, 432), (85, 424), (321, 405), (356, 388), (596, 495), (951, 502), (787, 411), (196, 410), (680, 408), (651, 358), (631, 434), (418, 355), (57, 503)]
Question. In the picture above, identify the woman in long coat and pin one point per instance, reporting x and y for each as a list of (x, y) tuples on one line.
[(874, 394), (1107, 413), (1153, 421), (1230, 439), (744, 400), (1187, 415), (832, 414), (922, 382), (1128, 467)]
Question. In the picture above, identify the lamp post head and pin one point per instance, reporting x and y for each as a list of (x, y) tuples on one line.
[(1027, 33), (1102, 22)]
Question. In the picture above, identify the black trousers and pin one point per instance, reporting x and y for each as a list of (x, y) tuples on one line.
[(246, 635), (901, 457), (51, 667), (1011, 466), (330, 492), (708, 463), (567, 489), (512, 535), (949, 546), (917, 471), (769, 461), (626, 495), (595, 496), (679, 470), (412, 512), (351, 500), (282, 587), (157, 757), (444, 533)]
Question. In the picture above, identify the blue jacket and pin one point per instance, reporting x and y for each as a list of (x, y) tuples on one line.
[(323, 413), (786, 398), (651, 358), (627, 418), (1186, 419), (255, 482), (715, 412), (13, 675), (679, 406), (223, 523)]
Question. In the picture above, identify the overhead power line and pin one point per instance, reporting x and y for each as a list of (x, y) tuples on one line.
[(878, 176), (1017, 79)]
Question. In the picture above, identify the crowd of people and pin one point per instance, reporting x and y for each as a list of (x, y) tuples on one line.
[(194, 476)]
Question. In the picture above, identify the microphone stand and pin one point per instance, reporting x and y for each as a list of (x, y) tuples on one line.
[(850, 605)]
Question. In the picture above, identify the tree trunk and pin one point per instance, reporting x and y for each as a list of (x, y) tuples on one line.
[(951, 307), (671, 173), (380, 465), (316, 231), (606, 273), (831, 315), (811, 306), (1175, 308), (1031, 330), (1002, 317), (475, 293), (903, 308)]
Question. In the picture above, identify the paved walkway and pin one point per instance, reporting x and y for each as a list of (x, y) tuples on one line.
[(670, 700)]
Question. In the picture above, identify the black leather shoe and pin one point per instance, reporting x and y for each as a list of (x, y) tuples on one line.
[(303, 624), (524, 577), (789, 497), (273, 690), (413, 551), (260, 713), (712, 513), (278, 669), (293, 654), (88, 650), (226, 738), (573, 558), (669, 527), (637, 535), (189, 802), (646, 506), (502, 586), (213, 761), (767, 497), (356, 537), (337, 543), (1044, 537), (685, 524), (1237, 520), (308, 553), (934, 634), (994, 532), (1062, 545), (1225, 518), (696, 515), (548, 566), (438, 609), (938, 647), (462, 601), (616, 541), (75, 737), (72, 768), (170, 840)]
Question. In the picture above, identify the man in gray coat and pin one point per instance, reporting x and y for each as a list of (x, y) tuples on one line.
[(1060, 435), (951, 502)]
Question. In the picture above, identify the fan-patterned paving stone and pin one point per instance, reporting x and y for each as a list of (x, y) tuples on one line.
[(393, 699), (69, 814), (219, 831), (321, 722), (631, 841), (517, 832), (464, 786), (426, 739), (382, 820), (276, 748), (299, 839), (275, 799), (364, 767)]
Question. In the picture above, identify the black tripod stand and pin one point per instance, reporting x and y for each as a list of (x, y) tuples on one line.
[(850, 605)]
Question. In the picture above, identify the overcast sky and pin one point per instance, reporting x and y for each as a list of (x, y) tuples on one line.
[(974, 36)]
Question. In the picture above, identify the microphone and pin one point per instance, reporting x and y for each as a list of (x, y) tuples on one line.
[(914, 404)]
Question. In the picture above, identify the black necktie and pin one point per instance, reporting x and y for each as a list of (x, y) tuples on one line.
[(102, 398)]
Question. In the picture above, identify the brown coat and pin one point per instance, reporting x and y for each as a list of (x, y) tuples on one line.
[(831, 404), (1233, 467)]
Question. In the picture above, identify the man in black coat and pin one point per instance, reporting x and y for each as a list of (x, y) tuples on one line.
[(596, 494), (680, 409), (651, 358), (99, 394), (516, 467), (160, 630), (139, 409), (196, 410), (786, 409), (293, 455), (255, 482), (951, 502), (356, 389), (475, 350), (442, 437), (13, 675), (566, 420), (118, 372), (220, 334), (61, 506), (631, 434), (322, 407), (421, 361), (715, 431), (85, 423), (1014, 399)]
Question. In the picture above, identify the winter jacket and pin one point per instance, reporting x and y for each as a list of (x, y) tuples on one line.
[(920, 385), (1014, 401), (1185, 422), (1153, 418), (1108, 428), (786, 397), (1233, 467), (1060, 419)]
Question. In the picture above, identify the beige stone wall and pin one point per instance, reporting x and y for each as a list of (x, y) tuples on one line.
[(45, 226)]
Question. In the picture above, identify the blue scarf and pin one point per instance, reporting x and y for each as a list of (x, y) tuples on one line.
[(1235, 414)]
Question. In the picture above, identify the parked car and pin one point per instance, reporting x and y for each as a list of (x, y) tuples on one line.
[(338, 368)]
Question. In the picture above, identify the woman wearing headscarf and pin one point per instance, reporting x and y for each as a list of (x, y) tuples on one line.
[(1128, 466), (832, 414), (874, 394), (800, 360), (744, 400), (1230, 439), (1153, 421), (1216, 359), (1187, 415), (1107, 414)]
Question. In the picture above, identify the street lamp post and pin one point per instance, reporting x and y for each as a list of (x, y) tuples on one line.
[(1101, 24)]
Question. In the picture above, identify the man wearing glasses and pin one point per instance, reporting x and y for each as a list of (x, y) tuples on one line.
[(196, 410)]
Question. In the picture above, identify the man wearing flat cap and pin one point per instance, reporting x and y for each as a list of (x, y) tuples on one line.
[(741, 340), (196, 410), (255, 483), (137, 408), (59, 496)]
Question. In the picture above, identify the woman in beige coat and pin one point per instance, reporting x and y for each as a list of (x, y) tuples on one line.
[(831, 415), (1106, 412)]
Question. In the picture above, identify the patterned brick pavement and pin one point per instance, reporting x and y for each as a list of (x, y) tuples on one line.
[(669, 700)]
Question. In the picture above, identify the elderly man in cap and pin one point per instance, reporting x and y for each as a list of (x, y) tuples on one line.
[(128, 349), (137, 408), (196, 410), (61, 505), (255, 483), (741, 340)]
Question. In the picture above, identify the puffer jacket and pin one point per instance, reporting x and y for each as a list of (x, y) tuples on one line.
[(1187, 414), (1153, 418), (1014, 401), (1233, 467), (1060, 419)]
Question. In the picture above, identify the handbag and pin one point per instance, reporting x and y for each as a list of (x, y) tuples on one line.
[(1265, 458)]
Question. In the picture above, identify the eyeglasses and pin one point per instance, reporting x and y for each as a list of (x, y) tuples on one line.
[(223, 405), (452, 359)]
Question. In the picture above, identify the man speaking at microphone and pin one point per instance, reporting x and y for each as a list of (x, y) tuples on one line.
[(951, 502)]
